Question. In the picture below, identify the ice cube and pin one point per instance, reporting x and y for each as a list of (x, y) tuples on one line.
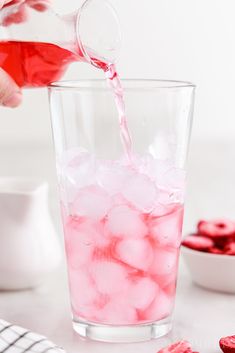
[(92, 202), (170, 289), (85, 312), (137, 253), (126, 222), (167, 229), (118, 311), (113, 176), (82, 290), (163, 172), (166, 280), (101, 237), (171, 182), (175, 178), (79, 243), (141, 192), (84, 297), (160, 308), (161, 168), (81, 170), (82, 238), (76, 169), (109, 277), (165, 197), (118, 200), (164, 261), (159, 211), (147, 165), (172, 185), (142, 293)]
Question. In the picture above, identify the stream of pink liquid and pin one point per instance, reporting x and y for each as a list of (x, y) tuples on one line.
[(116, 86)]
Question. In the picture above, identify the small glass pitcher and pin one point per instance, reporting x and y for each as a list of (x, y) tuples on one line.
[(37, 46)]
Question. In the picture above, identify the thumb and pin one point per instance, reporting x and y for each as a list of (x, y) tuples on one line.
[(10, 94)]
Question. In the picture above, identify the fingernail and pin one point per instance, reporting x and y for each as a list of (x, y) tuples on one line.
[(14, 100)]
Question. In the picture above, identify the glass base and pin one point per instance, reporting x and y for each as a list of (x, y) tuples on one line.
[(122, 334)]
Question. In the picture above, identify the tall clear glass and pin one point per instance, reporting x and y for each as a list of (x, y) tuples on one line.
[(122, 219)]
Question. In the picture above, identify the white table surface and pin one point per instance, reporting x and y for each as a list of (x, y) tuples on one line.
[(201, 316)]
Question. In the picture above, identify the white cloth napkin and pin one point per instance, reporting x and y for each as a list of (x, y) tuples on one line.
[(15, 339)]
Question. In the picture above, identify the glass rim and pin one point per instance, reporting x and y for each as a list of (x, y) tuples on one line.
[(128, 85)]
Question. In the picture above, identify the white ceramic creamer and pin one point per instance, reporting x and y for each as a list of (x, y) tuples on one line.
[(29, 246)]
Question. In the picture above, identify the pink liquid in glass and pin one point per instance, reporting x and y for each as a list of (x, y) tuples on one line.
[(122, 238), (123, 266)]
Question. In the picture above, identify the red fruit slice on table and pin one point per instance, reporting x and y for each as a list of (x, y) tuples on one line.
[(198, 242), (230, 249), (227, 344), (178, 347), (218, 228)]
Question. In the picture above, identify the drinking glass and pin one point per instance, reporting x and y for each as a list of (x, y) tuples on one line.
[(122, 218)]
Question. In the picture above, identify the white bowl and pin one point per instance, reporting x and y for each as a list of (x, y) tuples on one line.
[(211, 271)]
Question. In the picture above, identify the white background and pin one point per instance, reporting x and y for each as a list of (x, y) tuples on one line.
[(183, 39)]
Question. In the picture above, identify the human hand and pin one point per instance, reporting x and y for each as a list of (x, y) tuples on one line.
[(10, 94)]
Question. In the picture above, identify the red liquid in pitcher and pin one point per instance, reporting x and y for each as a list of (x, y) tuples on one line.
[(37, 64), (34, 64)]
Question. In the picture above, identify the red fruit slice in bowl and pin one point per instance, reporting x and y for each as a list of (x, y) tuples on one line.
[(198, 242), (230, 249), (178, 347), (227, 344), (218, 228), (216, 250)]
